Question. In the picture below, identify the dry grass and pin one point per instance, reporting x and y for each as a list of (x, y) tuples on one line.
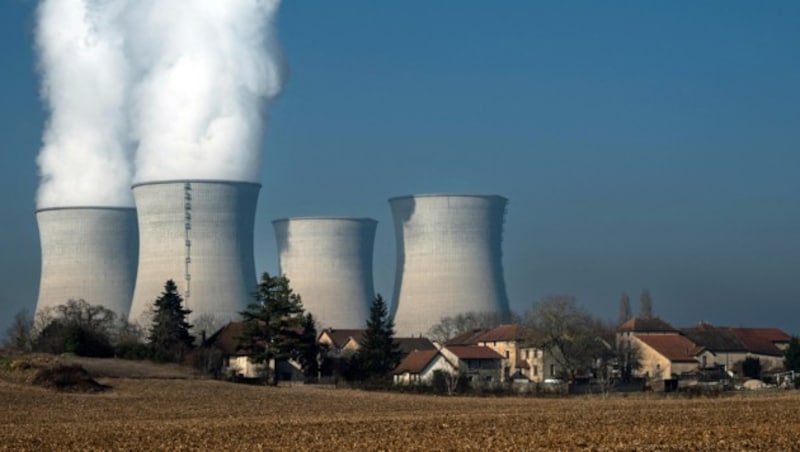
[(202, 414)]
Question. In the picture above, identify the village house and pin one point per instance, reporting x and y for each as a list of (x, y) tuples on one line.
[(478, 364), (665, 356), (340, 343)]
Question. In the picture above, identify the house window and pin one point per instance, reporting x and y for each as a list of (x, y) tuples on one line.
[(552, 370), (507, 354), (527, 354), (535, 370)]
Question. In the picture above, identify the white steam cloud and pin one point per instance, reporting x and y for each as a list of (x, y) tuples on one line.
[(207, 70), (150, 90), (84, 160)]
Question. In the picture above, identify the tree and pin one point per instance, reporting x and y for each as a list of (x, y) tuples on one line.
[(273, 323), (792, 355), (75, 327), (449, 327), (307, 351), (169, 338), (624, 309), (18, 334), (645, 305), (379, 353), (570, 334)]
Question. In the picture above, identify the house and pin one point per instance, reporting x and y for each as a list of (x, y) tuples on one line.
[(237, 364), (726, 346), (419, 366), (340, 343), (346, 342), (479, 364), (721, 346), (666, 356), (766, 344), (524, 357)]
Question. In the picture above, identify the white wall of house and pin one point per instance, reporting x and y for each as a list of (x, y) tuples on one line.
[(425, 377)]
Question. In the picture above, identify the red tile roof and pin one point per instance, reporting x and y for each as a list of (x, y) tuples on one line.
[(473, 352), (762, 340), (415, 362), (672, 346), (504, 333), (466, 338)]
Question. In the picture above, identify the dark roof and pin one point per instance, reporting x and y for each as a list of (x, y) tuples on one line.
[(505, 333), (416, 361), (466, 338), (227, 338), (715, 339), (340, 337), (674, 347), (473, 352), (406, 345), (762, 340), (647, 325)]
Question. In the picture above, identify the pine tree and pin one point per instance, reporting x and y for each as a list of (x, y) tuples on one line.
[(169, 337), (307, 349), (273, 322), (378, 353)]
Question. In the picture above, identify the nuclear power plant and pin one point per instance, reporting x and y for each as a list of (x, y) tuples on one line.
[(198, 233), (88, 253), (328, 261), (449, 258)]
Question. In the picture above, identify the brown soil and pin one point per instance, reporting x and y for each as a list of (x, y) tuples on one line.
[(145, 414)]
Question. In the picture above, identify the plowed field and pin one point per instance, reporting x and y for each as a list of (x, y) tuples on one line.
[(144, 414)]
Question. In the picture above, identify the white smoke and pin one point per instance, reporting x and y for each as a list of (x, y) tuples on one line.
[(207, 69), (84, 160), (179, 87)]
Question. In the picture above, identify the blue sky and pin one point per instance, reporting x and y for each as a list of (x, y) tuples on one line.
[(641, 144)]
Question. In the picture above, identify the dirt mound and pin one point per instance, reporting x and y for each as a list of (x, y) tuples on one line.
[(69, 378)]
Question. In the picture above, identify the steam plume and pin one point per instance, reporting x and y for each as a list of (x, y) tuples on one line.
[(206, 70), (178, 87), (84, 159)]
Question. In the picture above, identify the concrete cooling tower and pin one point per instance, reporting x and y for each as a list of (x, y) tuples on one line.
[(88, 253), (329, 263), (199, 234), (449, 259)]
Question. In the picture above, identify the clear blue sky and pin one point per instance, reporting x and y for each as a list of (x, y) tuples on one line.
[(642, 144)]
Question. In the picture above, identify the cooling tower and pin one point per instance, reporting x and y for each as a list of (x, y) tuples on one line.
[(199, 234), (329, 263), (88, 253), (449, 259)]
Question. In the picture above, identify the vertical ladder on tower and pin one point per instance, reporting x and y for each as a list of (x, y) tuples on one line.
[(187, 216)]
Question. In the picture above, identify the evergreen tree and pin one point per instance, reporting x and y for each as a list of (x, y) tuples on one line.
[(307, 350), (169, 337), (792, 355), (624, 309), (378, 353), (273, 323)]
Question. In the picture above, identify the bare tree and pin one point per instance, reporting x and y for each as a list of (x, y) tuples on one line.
[(449, 327), (205, 325), (18, 335), (624, 309), (569, 333), (645, 305)]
